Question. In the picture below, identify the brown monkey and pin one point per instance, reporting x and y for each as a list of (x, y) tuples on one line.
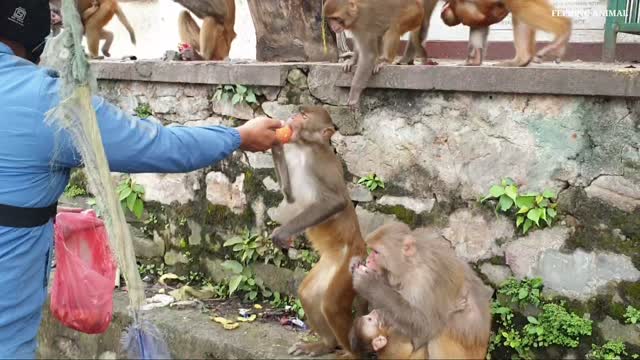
[(95, 15), (370, 334), (213, 41), (320, 207), (530, 16), (417, 289), (478, 15), (417, 46), (372, 23)]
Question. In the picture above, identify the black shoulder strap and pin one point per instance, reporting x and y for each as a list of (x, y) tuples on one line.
[(20, 217)]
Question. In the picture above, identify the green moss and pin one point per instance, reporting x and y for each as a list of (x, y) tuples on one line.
[(630, 292), (401, 213), (497, 260), (591, 213), (221, 217)]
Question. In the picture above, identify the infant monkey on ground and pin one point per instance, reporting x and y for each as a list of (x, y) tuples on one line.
[(370, 333)]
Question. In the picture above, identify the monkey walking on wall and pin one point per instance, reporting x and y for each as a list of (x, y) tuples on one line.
[(416, 282), (213, 40), (317, 202), (95, 15), (377, 26), (528, 17), (417, 47)]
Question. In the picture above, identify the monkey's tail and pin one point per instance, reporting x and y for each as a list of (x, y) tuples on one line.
[(189, 30), (123, 19)]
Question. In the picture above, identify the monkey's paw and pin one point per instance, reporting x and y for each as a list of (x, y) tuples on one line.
[(281, 239), (379, 67), (312, 349), (348, 65), (355, 262)]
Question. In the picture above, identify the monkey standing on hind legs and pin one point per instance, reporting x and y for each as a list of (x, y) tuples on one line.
[(213, 41), (318, 203), (372, 23)]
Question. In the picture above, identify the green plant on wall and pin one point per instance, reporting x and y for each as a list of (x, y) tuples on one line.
[(527, 291), (250, 248), (237, 94), (143, 111), (288, 302), (73, 190), (131, 195), (371, 182), (245, 281), (553, 326), (612, 350), (632, 315), (530, 208)]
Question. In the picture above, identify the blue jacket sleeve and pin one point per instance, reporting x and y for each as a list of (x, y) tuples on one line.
[(135, 145)]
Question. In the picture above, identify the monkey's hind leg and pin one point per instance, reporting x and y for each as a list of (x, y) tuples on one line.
[(108, 40), (522, 37), (212, 39), (477, 45), (337, 306), (311, 298)]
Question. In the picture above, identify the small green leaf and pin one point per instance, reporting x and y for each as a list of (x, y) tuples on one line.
[(238, 247), (495, 191), (523, 210), (526, 226), (138, 188), (549, 194), (539, 199), (519, 220), (228, 88), (505, 203), (525, 201), (236, 99), (125, 193), (234, 240), (234, 283), (532, 320), (511, 192), (551, 212), (543, 214), (233, 266), (131, 201), (138, 208), (523, 293), (534, 215), (251, 98), (240, 89)]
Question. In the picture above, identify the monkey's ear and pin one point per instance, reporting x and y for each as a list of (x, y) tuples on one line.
[(327, 133), (409, 246)]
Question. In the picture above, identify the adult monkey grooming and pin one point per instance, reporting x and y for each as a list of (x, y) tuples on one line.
[(421, 286), (213, 41), (372, 22), (320, 206), (96, 14)]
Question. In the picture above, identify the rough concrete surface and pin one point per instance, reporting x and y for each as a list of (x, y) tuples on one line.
[(566, 79), (189, 334)]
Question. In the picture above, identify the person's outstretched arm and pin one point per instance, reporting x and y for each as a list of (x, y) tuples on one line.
[(136, 145)]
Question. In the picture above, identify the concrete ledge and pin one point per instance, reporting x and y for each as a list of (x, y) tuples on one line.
[(189, 333), (589, 79)]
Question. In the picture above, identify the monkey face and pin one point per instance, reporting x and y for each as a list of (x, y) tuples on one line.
[(340, 14), (373, 261), (370, 326), (312, 124)]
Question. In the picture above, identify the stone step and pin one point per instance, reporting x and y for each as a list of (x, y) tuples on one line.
[(189, 334)]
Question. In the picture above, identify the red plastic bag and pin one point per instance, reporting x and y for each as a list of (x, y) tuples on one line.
[(83, 283)]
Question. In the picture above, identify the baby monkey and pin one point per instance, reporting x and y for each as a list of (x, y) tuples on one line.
[(370, 333)]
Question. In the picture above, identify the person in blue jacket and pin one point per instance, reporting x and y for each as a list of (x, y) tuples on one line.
[(30, 186)]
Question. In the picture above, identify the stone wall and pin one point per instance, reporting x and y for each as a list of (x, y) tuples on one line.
[(438, 152)]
